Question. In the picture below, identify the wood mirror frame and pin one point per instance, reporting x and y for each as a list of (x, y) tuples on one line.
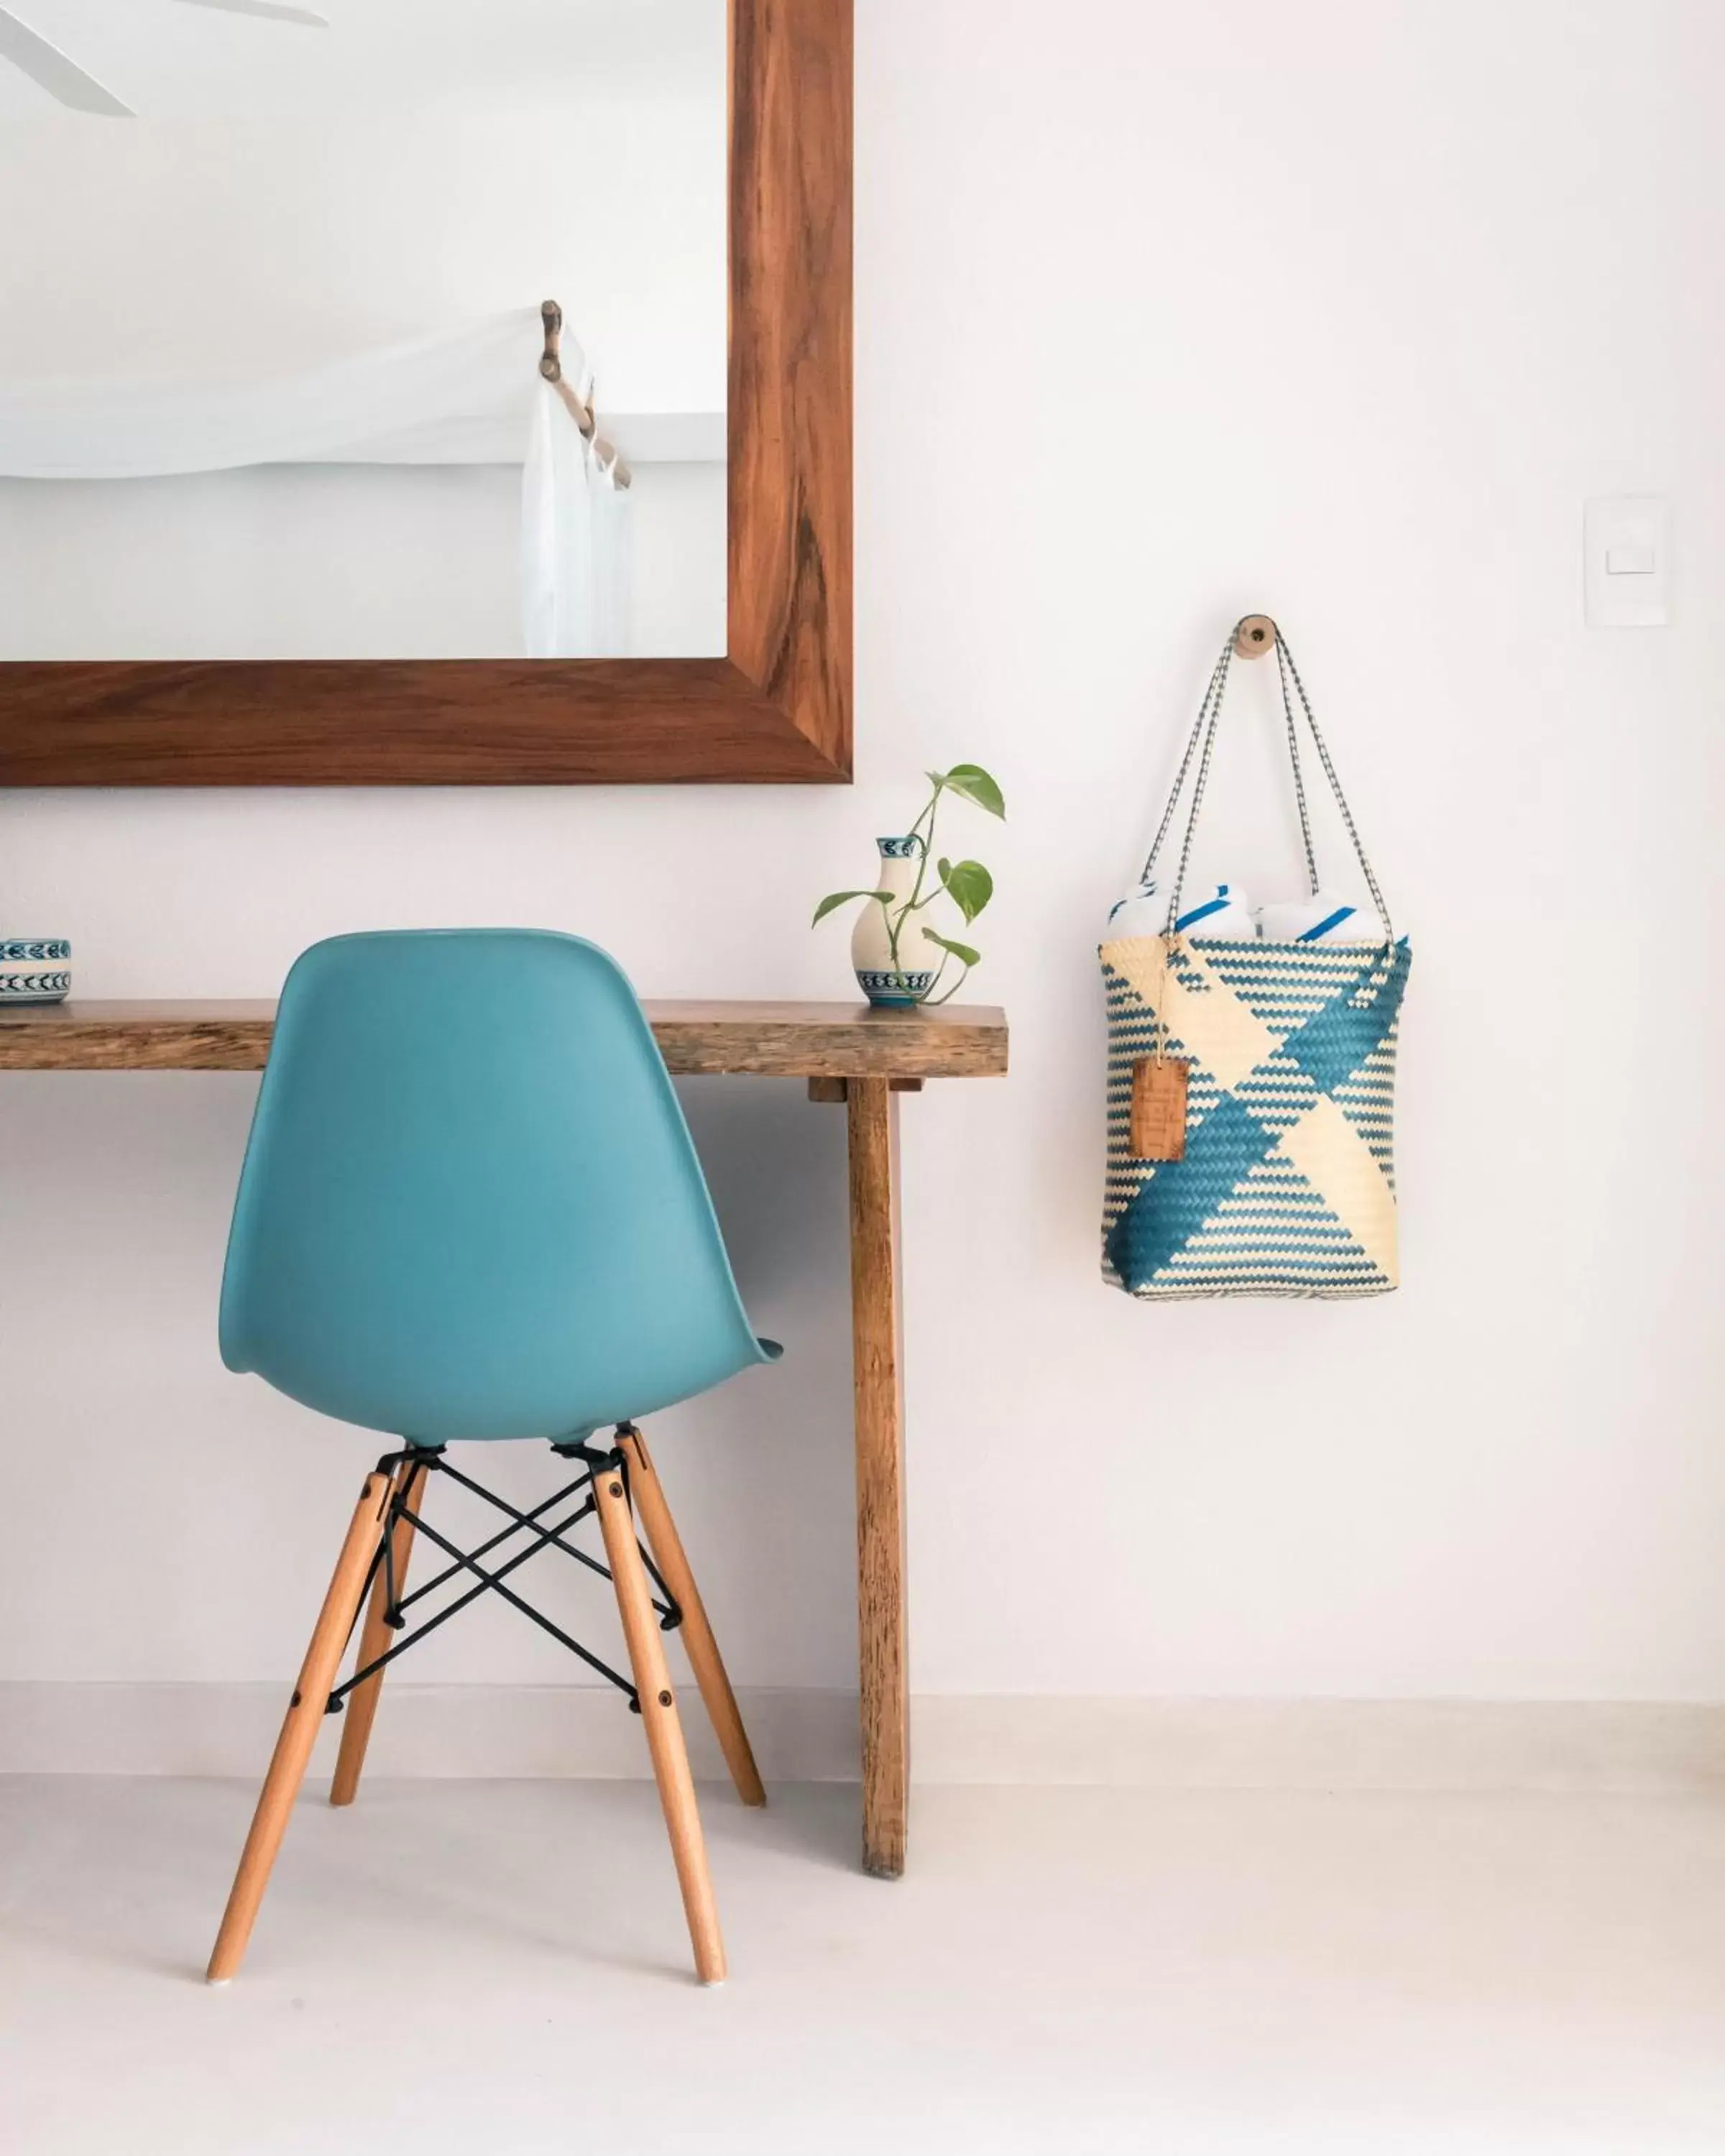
[(776, 710)]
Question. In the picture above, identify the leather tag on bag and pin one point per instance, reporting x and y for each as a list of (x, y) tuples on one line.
[(1158, 1118)]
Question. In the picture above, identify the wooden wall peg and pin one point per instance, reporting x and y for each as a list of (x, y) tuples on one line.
[(1255, 636), (550, 365)]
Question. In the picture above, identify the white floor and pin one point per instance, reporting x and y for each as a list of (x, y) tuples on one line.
[(499, 1968)]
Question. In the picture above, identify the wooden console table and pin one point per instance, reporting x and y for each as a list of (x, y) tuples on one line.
[(848, 1053)]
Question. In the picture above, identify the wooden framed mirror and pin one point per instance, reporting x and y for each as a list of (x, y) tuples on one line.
[(774, 707)]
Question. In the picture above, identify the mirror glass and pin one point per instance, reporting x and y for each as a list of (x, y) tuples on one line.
[(270, 346)]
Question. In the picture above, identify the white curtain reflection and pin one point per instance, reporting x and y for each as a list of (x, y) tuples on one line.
[(470, 395)]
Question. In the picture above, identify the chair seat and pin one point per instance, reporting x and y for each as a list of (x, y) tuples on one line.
[(771, 1352)]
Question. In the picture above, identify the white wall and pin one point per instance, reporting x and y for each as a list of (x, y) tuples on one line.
[(1340, 311)]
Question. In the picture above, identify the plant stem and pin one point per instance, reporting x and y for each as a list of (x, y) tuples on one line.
[(898, 971), (896, 928)]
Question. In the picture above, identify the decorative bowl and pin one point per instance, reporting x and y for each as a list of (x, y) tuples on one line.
[(34, 969)]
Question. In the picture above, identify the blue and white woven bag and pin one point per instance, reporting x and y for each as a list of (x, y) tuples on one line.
[(1284, 1183)]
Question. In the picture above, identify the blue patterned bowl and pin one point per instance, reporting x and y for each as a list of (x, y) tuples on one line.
[(34, 969)]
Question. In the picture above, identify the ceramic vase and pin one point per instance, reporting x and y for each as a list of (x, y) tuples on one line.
[(889, 987)]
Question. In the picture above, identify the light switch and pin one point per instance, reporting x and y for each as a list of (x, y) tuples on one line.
[(1627, 555)]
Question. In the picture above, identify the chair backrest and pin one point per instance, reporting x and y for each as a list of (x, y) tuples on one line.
[(471, 1206)]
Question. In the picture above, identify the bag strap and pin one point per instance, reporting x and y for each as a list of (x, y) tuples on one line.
[(1286, 667), (1218, 682), (1219, 677), (1200, 745), (1288, 712)]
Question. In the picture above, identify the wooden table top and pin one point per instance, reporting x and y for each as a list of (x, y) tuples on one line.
[(770, 1040)]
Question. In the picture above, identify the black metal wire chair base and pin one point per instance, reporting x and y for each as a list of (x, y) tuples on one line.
[(595, 1460)]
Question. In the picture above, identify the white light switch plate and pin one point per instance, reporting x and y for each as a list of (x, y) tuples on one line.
[(1626, 547)]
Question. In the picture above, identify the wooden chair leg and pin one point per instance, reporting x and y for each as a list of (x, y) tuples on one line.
[(299, 1730), (664, 1733), (374, 1638), (703, 1649)]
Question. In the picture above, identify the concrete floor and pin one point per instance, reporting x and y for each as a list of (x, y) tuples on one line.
[(500, 1968)]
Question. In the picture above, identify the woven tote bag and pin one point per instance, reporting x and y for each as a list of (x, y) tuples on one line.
[(1258, 1077)]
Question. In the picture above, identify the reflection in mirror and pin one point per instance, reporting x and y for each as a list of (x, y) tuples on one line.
[(270, 357)]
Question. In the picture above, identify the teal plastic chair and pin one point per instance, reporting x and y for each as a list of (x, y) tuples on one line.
[(471, 1209)]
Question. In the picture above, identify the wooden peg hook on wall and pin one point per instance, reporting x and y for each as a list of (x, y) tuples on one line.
[(550, 365), (1255, 636)]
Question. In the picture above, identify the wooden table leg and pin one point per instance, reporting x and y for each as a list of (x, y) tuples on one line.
[(872, 1111)]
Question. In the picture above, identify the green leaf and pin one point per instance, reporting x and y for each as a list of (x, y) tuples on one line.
[(843, 898), (975, 784), (962, 951), (970, 884)]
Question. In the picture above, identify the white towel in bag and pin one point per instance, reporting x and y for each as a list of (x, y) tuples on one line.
[(1322, 918), (1216, 912)]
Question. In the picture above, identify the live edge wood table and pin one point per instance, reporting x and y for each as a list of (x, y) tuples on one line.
[(848, 1053)]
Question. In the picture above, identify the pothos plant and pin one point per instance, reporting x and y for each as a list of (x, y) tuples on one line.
[(967, 883)]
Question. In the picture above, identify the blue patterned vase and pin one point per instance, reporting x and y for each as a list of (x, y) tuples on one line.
[(894, 985)]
